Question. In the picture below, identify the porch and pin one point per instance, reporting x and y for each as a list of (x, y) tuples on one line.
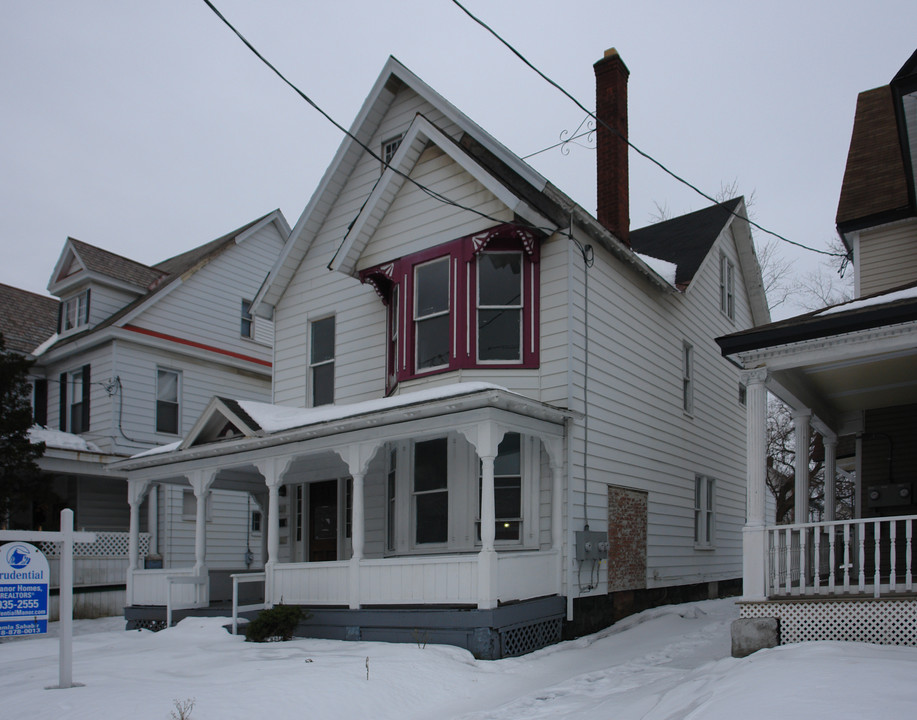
[(456, 505), (848, 373)]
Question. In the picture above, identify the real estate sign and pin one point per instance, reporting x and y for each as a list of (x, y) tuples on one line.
[(24, 577)]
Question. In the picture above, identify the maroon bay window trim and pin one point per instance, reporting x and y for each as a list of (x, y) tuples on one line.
[(462, 255), (530, 307)]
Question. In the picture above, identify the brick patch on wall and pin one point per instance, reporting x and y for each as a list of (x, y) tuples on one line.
[(626, 539)]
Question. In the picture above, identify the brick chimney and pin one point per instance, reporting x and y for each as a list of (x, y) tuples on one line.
[(613, 207)]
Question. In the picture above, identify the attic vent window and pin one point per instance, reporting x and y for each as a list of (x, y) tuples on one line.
[(389, 148)]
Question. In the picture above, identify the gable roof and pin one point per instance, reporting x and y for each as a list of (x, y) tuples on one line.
[(685, 240), (168, 272), (523, 181), (878, 184), (875, 187), (26, 318)]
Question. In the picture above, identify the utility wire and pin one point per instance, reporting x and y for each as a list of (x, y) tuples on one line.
[(429, 191), (629, 143)]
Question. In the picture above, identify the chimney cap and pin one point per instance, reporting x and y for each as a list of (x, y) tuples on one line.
[(610, 52)]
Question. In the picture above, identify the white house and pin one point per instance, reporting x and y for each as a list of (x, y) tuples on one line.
[(494, 414), (850, 373), (137, 354)]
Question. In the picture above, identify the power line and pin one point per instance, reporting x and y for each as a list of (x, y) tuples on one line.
[(429, 191), (629, 143)]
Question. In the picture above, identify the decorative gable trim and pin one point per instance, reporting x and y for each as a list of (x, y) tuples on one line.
[(222, 420)]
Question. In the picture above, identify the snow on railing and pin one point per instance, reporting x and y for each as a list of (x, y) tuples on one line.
[(865, 556)]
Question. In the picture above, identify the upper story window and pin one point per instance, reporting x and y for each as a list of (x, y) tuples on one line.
[(75, 312), (472, 302), (168, 392), (727, 286), (321, 361), (74, 400), (246, 330), (687, 378)]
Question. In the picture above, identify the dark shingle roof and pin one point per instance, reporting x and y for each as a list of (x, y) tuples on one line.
[(115, 266), (685, 240), (875, 180), (26, 318)]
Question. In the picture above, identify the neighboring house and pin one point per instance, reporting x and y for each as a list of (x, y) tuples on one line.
[(134, 356), (495, 414), (849, 372)]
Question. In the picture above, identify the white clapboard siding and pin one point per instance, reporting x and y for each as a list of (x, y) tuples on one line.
[(629, 380), (133, 420), (207, 306), (105, 301), (887, 256)]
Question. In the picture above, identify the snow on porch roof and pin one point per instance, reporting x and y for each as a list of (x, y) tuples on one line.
[(277, 419)]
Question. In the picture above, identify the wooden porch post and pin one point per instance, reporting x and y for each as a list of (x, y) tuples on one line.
[(152, 518), (136, 489), (830, 478), (754, 535), (357, 458), (555, 449), (801, 421), (201, 480), (273, 476)]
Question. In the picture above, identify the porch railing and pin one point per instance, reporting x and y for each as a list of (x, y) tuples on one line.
[(870, 556), (152, 587)]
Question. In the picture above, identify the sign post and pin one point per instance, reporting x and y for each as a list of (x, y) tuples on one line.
[(24, 571)]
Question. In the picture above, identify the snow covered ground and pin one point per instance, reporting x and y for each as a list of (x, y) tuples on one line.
[(664, 664)]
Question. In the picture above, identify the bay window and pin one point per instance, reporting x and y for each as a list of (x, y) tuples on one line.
[(472, 302)]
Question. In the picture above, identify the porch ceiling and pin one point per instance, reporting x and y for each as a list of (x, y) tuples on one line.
[(835, 385)]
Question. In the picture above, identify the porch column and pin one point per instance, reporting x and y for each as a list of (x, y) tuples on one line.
[(357, 457), (754, 534), (555, 449), (152, 518), (201, 480), (801, 422), (272, 472), (136, 489), (830, 478)]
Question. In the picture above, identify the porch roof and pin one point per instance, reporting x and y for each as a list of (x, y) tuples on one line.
[(838, 361), (265, 425)]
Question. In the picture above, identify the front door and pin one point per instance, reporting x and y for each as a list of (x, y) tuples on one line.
[(323, 521)]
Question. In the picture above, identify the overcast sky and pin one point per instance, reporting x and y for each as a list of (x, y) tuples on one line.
[(148, 128)]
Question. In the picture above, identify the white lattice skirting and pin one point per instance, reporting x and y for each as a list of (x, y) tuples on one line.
[(107, 544), (881, 621)]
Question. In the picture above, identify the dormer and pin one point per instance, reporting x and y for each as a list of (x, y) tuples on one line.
[(92, 284)]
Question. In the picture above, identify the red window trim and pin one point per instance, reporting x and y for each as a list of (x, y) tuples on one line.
[(463, 301)]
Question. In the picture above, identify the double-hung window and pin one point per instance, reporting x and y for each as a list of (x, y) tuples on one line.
[(321, 361), (687, 378), (245, 329), (499, 307), (507, 490), (727, 286), (168, 392), (431, 314), (431, 492), (74, 400), (469, 303), (704, 511), (75, 312)]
